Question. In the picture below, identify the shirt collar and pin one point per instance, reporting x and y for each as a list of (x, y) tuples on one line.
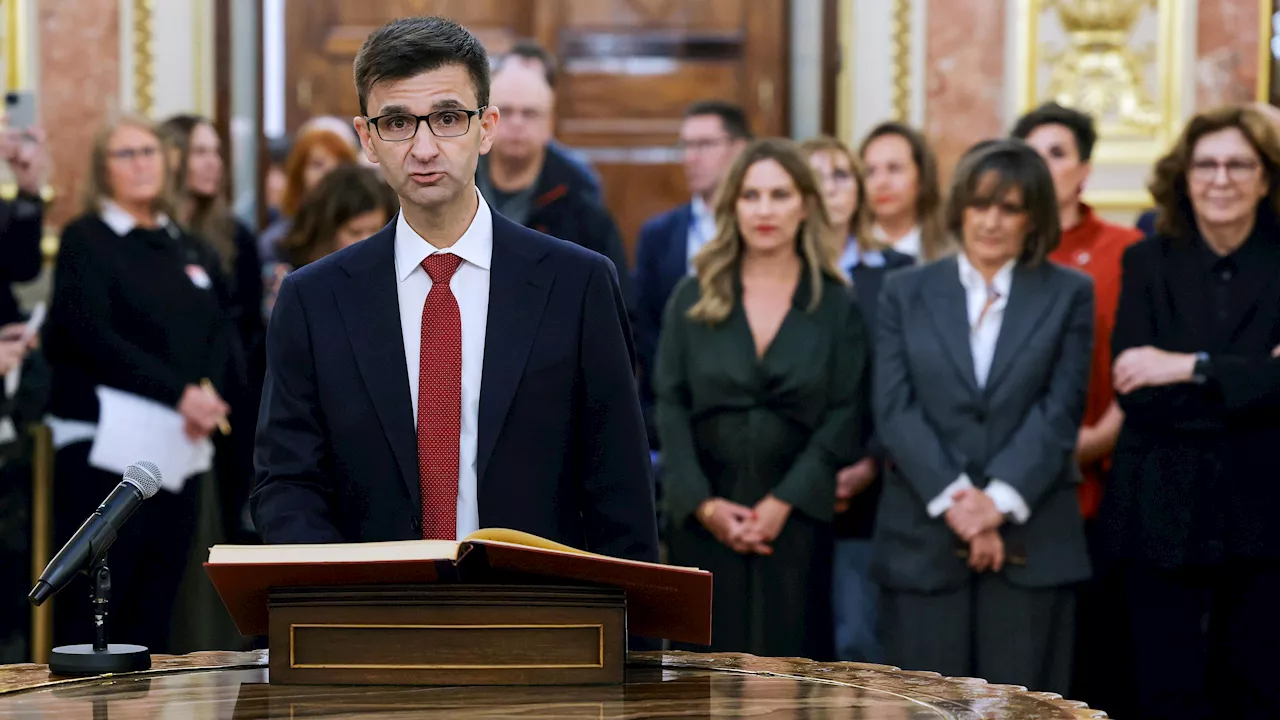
[(701, 213), (972, 280), (475, 246), (908, 244), (854, 255), (120, 221)]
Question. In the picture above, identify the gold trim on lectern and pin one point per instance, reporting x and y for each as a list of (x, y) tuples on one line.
[(293, 663)]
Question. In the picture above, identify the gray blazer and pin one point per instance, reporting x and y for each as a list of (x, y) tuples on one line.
[(1021, 428)]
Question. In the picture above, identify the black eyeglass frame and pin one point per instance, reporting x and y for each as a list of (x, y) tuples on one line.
[(373, 122)]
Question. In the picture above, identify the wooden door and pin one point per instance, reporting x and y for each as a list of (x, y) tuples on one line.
[(323, 36), (628, 69)]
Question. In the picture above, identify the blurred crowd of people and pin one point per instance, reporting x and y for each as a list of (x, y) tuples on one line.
[(983, 432)]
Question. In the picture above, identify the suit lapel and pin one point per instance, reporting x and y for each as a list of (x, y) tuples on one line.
[(370, 309), (1028, 301), (517, 297), (947, 310)]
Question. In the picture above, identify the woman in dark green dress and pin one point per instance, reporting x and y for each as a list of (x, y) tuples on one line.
[(761, 384)]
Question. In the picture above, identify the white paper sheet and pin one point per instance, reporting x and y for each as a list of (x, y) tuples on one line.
[(133, 428)]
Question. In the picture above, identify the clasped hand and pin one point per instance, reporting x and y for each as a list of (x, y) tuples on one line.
[(745, 529), (974, 517)]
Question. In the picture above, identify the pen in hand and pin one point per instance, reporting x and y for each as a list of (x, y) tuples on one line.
[(224, 427)]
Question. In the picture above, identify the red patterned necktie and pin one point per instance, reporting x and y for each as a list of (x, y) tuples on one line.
[(440, 401)]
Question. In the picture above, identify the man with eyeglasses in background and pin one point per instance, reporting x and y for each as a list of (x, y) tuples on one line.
[(711, 136), (527, 182)]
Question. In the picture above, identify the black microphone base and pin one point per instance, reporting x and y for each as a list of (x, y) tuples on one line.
[(84, 660)]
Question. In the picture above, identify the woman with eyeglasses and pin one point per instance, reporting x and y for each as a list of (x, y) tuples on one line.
[(854, 596), (1191, 510), (138, 307)]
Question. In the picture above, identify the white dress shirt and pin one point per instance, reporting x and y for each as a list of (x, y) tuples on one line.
[(908, 244), (852, 256), (985, 305), (702, 228), (470, 286)]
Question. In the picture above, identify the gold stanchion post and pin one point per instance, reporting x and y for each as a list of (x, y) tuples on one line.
[(41, 537)]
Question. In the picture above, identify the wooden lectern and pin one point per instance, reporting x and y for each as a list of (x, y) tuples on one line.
[(499, 608)]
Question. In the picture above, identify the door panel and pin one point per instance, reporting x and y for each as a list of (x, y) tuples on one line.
[(628, 69)]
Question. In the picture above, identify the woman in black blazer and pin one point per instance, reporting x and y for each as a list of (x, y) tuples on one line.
[(854, 597), (138, 306), (1190, 511)]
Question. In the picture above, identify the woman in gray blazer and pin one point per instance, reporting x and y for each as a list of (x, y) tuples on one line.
[(981, 367)]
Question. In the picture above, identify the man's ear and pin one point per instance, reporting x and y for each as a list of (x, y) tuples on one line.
[(366, 140), (488, 128)]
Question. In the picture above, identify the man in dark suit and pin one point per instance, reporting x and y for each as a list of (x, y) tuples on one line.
[(21, 218), (711, 136), (529, 183), (508, 349)]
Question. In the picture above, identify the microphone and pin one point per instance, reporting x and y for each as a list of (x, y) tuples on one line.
[(91, 541)]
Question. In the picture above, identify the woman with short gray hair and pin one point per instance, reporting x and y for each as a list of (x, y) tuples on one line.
[(982, 362)]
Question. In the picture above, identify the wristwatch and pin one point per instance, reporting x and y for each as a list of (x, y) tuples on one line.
[(1200, 371)]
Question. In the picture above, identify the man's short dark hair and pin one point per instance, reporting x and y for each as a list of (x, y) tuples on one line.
[(731, 116), (1051, 113), (411, 46), (530, 50)]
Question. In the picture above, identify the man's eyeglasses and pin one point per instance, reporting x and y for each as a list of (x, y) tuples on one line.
[(397, 127), (702, 144), (1238, 169)]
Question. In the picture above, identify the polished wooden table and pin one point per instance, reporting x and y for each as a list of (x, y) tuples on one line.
[(659, 685)]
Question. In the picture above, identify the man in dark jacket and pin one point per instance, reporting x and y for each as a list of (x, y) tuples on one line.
[(536, 188), (21, 217)]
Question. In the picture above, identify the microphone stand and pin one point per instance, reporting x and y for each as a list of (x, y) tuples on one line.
[(101, 657)]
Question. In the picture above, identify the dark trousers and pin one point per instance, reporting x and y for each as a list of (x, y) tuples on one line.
[(989, 628), (147, 560), (1206, 640), (1103, 675)]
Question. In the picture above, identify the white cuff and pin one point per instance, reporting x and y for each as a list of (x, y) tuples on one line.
[(943, 502), (1008, 501)]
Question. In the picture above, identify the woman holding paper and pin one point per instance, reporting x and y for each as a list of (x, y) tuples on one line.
[(136, 322)]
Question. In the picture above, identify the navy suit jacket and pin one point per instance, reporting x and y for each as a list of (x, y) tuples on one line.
[(561, 447), (662, 259), (1147, 222)]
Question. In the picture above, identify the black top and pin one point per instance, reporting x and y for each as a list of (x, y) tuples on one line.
[(1193, 472), (20, 259), (564, 205), (859, 520), (143, 313)]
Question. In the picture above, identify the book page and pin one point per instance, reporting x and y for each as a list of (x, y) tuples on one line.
[(333, 552)]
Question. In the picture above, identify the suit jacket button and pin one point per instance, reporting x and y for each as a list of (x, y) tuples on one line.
[(417, 525), (980, 416)]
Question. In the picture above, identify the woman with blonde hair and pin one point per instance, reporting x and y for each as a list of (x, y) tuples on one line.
[(139, 308), (760, 384), (854, 596)]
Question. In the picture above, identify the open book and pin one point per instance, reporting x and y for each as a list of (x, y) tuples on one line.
[(662, 600)]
